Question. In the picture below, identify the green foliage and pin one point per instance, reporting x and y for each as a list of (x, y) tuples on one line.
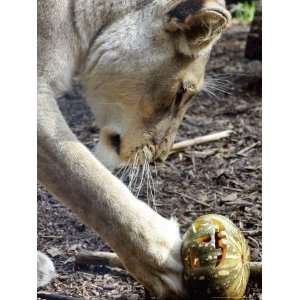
[(244, 11)]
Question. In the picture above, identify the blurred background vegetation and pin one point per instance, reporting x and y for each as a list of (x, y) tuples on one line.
[(243, 11)]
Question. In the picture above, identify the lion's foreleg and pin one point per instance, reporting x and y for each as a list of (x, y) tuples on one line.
[(147, 244)]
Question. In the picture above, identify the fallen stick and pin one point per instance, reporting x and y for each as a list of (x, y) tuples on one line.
[(48, 296), (243, 151), (112, 260), (201, 140), (98, 258)]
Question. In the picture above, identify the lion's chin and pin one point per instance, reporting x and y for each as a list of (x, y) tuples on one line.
[(107, 156)]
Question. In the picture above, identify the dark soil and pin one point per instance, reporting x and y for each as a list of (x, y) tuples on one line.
[(222, 177)]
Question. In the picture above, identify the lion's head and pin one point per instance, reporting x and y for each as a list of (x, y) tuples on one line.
[(142, 72)]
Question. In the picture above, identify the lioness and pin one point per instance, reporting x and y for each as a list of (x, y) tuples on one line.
[(140, 62)]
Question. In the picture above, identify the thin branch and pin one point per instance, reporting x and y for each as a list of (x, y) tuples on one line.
[(201, 140), (48, 296), (98, 258), (243, 151)]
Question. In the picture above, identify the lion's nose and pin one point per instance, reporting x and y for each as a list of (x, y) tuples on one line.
[(156, 139)]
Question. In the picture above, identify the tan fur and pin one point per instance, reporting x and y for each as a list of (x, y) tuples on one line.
[(134, 59)]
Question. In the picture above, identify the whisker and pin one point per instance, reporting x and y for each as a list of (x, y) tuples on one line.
[(150, 182), (121, 170), (208, 91), (135, 177), (218, 83), (126, 170), (216, 87), (147, 176), (142, 180), (132, 171), (153, 189), (129, 175)]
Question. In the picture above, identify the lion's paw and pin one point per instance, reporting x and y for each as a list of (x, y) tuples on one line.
[(45, 269)]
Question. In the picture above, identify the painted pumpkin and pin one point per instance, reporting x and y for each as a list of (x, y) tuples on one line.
[(216, 259)]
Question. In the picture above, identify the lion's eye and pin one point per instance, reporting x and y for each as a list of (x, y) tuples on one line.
[(179, 96)]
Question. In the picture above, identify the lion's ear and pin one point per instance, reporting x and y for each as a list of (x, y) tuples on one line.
[(198, 22)]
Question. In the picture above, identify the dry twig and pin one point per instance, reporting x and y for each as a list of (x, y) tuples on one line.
[(201, 140), (49, 296), (98, 258)]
